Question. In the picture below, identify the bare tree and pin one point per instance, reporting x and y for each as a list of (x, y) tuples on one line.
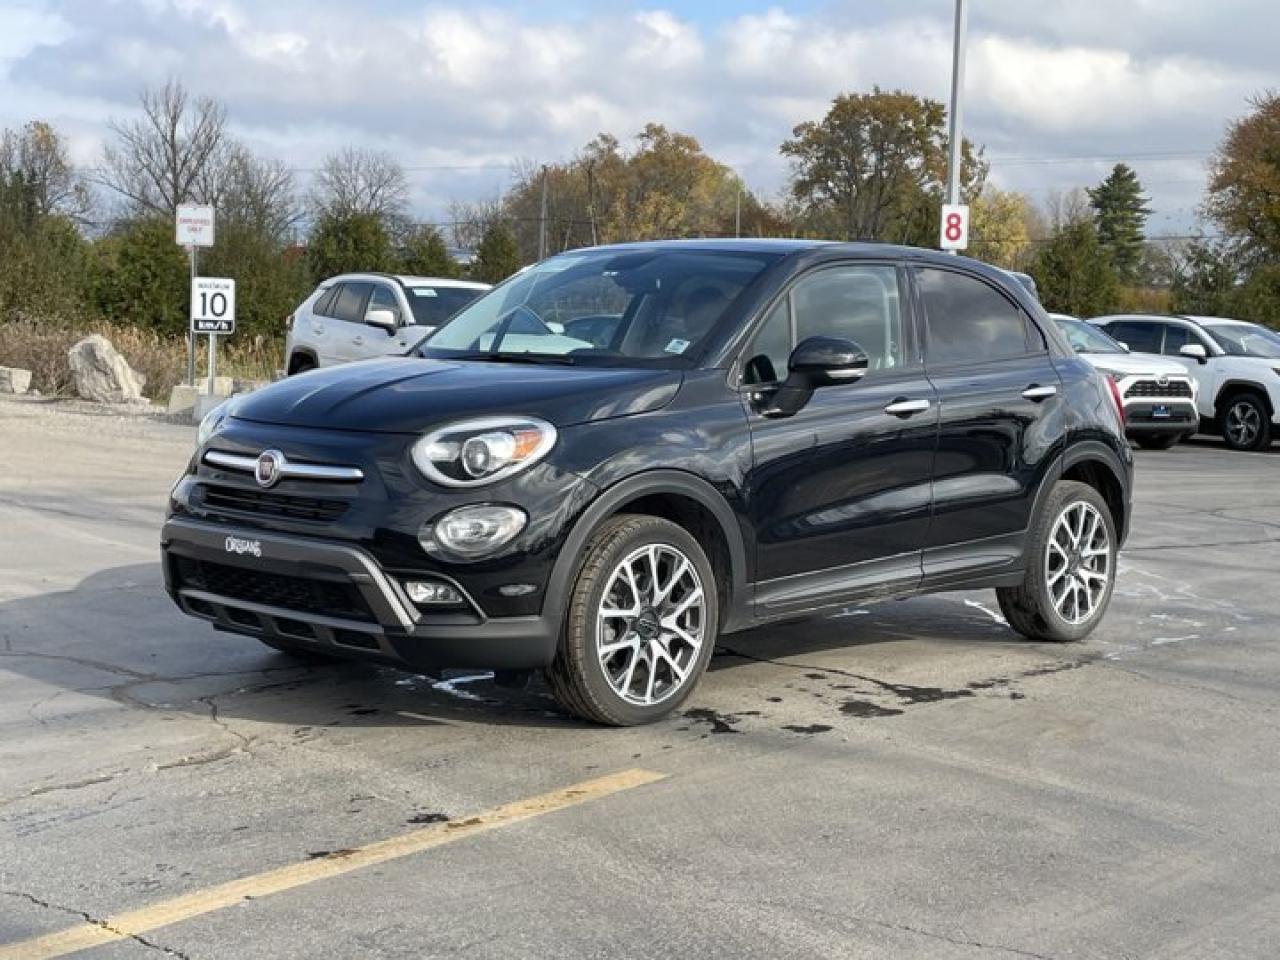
[(469, 221), (35, 160), (177, 152), (259, 193), (1064, 208), (358, 181)]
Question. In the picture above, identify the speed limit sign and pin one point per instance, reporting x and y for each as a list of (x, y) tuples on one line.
[(213, 305), (954, 234)]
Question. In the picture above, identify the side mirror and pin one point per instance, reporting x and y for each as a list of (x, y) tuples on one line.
[(386, 319), (1196, 351), (1124, 345), (823, 361), (815, 362)]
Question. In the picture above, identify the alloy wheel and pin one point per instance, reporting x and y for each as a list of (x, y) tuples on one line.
[(1243, 423), (651, 624), (1078, 562)]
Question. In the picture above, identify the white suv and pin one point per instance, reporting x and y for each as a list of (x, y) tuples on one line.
[(1235, 364), (360, 316), (1158, 395)]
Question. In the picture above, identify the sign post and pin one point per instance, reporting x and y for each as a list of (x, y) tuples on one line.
[(193, 225), (955, 136), (213, 311)]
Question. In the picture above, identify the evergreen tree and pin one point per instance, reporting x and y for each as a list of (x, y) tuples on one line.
[(349, 242), (1072, 273), (1120, 215), (498, 256), (425, 255)]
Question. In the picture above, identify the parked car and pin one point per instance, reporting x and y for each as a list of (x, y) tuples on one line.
[(624, 452), (1159, 395), (359, 316), (1234, 364)]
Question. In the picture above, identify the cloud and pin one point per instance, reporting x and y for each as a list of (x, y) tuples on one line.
[(447, 84)]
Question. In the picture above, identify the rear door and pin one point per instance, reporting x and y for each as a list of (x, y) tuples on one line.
[(839, 492), (346, 327), (999, 417)]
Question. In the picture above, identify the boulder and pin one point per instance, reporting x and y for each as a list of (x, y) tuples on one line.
[(99, 373), (14, 380)]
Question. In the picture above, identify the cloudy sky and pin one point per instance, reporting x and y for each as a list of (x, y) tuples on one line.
[(1057, 92)]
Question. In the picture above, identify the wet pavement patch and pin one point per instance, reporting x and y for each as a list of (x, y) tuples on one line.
[(865, 708), (811, 728), (720, 723), (429, 818), (329, 854)]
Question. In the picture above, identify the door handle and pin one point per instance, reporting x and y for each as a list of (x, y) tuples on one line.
[(903, 407), (1037, 393), (358, 340)]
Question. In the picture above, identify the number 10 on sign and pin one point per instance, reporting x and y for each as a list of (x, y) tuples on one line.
[(955, 226), (213, 305)]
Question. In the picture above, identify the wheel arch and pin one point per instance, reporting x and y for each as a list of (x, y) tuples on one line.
[(1098, 466), (1232, 387), (301, 353), (684, 499)]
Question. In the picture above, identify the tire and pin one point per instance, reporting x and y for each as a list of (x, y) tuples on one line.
[(1032, 608), (653, 668), (301, 365), (300, 651), (1246, 423), (1158, 441)]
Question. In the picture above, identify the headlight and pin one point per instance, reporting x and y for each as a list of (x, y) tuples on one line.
[(211, 422), (472, 453), (472, 532)]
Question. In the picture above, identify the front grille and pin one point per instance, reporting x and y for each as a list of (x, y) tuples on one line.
[(261, 503), (326, 598), (1151, 388)]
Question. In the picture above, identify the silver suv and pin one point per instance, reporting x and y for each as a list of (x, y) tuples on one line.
[(361, 316)]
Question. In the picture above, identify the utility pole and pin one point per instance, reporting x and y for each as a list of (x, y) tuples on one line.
[(956, 134), (737, 214), (591, 200), (542, 220)]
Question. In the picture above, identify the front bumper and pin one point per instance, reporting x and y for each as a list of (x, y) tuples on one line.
[(1160, 416), (336, 598)]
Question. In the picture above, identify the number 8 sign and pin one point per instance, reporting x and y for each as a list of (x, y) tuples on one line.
[(955, 226)]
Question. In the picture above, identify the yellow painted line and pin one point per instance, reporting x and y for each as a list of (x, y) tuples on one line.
[(125, 925)]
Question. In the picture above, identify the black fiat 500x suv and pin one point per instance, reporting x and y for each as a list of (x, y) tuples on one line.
[(623, 452)]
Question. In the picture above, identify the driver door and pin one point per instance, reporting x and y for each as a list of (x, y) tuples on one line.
[(839, 493)]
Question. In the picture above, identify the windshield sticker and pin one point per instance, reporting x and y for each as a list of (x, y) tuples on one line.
[(423, 292), (677, 346)]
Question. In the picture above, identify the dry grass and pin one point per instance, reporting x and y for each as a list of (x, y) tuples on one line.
[(42, 349)]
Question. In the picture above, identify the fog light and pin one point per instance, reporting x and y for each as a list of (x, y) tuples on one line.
[(473, 532), (432, 592)]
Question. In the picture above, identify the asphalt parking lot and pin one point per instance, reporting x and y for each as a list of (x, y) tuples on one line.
[(903, 780)]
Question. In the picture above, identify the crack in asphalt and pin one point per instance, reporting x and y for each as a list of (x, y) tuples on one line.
[(95, 921), (907, 928)]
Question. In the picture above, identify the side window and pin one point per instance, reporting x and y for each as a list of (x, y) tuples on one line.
[(970, 321), (384, 298), (1139, 337), (858, 303), (1175, 338), (324, 306), (350, 303)]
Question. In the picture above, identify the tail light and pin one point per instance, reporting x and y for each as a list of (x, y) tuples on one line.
[(1115, 397)]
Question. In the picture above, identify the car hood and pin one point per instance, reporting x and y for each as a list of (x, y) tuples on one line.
[(1144, 363), (403, 395)]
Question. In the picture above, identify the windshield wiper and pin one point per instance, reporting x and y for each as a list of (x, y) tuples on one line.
[(490, 357)]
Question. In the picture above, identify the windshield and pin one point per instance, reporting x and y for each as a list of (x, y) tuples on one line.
[(628, 307), (1246, 340), (432, 306), (1086, 338)]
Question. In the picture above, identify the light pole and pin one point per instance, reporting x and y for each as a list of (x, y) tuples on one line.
[(957, 95)]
